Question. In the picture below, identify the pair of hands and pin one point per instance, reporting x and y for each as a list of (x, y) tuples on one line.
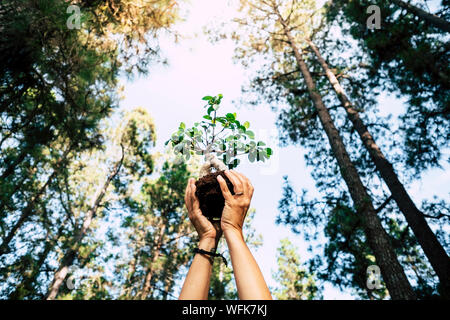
[(234, 211)]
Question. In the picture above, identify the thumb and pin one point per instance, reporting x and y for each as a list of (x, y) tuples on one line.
[(195, 203)]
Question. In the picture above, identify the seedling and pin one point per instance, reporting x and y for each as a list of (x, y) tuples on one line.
[(221, 140)]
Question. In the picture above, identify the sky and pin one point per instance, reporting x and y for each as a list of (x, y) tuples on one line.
[(196, 68)]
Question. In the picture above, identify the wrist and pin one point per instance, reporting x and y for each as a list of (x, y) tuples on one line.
[(207, 244), (233, 234)]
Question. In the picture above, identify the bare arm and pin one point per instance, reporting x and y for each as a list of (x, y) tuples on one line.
[(250, 282), (196, 284)]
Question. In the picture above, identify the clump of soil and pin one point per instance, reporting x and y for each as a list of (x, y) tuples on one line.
[(210, 195)]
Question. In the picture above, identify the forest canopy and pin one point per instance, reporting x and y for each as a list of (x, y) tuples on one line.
[(87, 193)]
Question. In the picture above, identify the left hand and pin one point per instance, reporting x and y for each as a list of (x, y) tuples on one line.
[(205, 229), (236, 206)]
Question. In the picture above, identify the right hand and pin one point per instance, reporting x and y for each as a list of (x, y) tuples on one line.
[(205, 229), (236, 206)]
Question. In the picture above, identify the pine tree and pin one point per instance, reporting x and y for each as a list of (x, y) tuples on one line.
[(415, 218), (295, 282), (407, 56), (285, 23)]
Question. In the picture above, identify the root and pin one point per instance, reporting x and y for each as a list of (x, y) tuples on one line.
[(211, 162)]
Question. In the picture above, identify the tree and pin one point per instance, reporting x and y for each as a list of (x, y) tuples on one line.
[(415, 218), (345, 257), (407, 57), (295, 282), (159, 235), (231, 141), (56, 86), (285, 23), (431, 19), (136, 136)]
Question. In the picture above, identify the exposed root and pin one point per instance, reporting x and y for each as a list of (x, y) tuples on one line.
[(211, 162)]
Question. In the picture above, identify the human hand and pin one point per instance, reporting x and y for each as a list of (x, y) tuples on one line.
[(205, 229), (236, 206)]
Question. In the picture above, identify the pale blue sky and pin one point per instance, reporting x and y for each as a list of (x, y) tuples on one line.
[(197, 68)]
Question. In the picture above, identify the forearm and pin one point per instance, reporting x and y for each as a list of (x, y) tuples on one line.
[(250, 282), (196, 285)]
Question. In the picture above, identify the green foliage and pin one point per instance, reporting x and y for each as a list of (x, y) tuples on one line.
[(345, 256), (410, 58), (260, 38), (57, 85), (295, 283), (224, 136), (159, 236)]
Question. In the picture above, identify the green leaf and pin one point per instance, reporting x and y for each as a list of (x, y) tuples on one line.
[(231, 117), (261, 144), (252, 156), (207, 98), (233, 164), (207, 117), (250, 134), (182, 125), (246, 124), (269, 152)]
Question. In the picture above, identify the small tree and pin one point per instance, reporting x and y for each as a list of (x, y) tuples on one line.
[(221, 139)]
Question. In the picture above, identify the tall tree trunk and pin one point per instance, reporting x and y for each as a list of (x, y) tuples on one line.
[(10, 169), (393, 274), (431, 19), (427, 239), (170, 268), (26, 213), (72, 252), (26, 286), (150, 271)]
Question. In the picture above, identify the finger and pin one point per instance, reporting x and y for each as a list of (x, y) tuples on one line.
[(194, 200), (186, 193), (241, 178), (188, 197), (237, 184), (223, 186), (245, 181)]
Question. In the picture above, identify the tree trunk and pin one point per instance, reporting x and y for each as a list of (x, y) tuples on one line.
[(72, 252), (26, 286), (211, 161), (4, 247), (10, 170), (149, 274), (431, 19), (170, 268), (393, 274), (415, 218)]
